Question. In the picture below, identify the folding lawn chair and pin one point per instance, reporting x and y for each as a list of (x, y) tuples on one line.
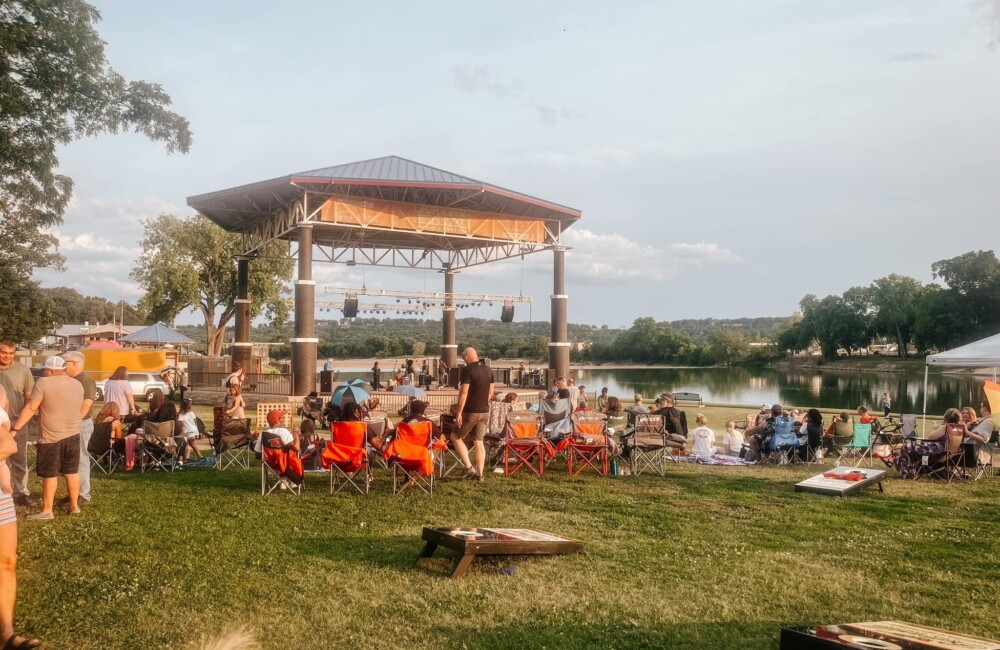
[(843, 434), (648, 448), (908, 426), (784, 444), (280, 467), (411, 458), (951, 465), (525, 444), (860, 445), (556, 417), (589, 445), (156, 447), (100, 449), (231, 443), (346, 457)]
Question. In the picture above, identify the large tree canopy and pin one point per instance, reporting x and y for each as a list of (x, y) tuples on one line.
[(188, 263), (56, 86)]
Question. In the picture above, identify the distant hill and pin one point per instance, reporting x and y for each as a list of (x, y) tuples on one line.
[(756, 329)]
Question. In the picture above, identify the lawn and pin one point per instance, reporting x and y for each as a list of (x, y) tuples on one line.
[(702, 558)]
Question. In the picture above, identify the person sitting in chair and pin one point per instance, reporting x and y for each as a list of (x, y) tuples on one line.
[(353, 412), (289, 440), (759, 437), (312, 408)]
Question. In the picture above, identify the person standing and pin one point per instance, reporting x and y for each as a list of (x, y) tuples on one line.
[(8, 538), (58, 400), (236, 377), (74, 368), (886, 404), (17, 380), (474, 395), (376, 377), (182, 383), (328, 366)]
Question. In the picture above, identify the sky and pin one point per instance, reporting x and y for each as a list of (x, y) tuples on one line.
[(728, 157)]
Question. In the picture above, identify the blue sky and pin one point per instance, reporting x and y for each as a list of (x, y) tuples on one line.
[(729, 157)]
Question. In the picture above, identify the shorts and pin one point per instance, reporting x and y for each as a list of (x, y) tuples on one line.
[(475, 422), (7, 513), (55, 458)]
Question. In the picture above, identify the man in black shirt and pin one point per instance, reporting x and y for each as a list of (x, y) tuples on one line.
[(474, 395), (675, 419)]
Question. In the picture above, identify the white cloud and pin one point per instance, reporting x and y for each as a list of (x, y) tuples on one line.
[(87, 242), (705, 252), (613, 258), (481, 77)]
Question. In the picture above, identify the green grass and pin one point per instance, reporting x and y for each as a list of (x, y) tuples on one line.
[(703, 558)]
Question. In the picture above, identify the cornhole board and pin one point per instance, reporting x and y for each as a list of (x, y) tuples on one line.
[(839, 487), (472, 542), (881, 635)]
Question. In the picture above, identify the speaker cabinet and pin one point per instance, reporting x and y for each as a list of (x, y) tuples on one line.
[(507, 314), (350, 307)]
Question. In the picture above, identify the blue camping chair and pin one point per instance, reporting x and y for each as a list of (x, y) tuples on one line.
[(784, 444)]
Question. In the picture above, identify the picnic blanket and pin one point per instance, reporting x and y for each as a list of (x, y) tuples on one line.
[(729, 461)]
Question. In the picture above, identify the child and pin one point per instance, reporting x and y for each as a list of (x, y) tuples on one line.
[(704, 438), (187, 421), (732, 439)]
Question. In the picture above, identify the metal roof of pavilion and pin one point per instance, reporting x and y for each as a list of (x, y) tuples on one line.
[(391, 178), (157, 333)]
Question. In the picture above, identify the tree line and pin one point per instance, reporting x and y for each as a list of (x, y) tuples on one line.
[(905, 311)]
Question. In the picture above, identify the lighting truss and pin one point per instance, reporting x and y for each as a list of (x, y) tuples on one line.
[(427, 296)]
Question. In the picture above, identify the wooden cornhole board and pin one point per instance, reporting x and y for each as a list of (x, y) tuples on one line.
[(839, 487), (881, 635), (470, 542)]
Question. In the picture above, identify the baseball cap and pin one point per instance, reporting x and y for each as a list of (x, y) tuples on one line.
[(765, 407), (275, 416), (55, 363)]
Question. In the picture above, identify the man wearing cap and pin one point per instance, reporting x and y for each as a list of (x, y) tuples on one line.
[(74, 368), (289, 440), (18, 382), (58, 399), (675, 419)]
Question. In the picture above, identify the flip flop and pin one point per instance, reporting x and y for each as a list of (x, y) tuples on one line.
[(16, 642)]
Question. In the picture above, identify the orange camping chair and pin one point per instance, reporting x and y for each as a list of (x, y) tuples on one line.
[(347, 458), (588, 446), (411, 457), (525, 443), (278, 466)]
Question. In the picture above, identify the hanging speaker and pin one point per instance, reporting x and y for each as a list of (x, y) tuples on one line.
[(350, 307), (507, 314)]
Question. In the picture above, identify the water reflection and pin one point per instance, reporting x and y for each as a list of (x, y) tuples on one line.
[(830, 390)]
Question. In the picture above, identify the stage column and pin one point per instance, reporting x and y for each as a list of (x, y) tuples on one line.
[(559, 345), (305, 341), (242, 346), (449, 348)]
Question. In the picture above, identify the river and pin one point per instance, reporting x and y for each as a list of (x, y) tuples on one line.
[(827, 389)]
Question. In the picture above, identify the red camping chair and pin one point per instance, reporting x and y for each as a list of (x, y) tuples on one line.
[(588, 446), (411, 457), (347, 458), (278, 466), (525, 443)]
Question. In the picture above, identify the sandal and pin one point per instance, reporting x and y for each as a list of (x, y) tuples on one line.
[(16, 642)]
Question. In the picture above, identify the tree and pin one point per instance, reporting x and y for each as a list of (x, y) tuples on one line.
[(55, 87), (893, 302), (976, 277), (27, 312), (69, 306), (834, 323), (188, 263), (728, 346)]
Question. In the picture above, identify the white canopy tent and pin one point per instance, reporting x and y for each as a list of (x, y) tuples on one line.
[(978, 354)]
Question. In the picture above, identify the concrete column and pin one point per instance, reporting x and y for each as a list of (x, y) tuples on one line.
[(449, 348), (242, 346), (305, 341), (559, 345)]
